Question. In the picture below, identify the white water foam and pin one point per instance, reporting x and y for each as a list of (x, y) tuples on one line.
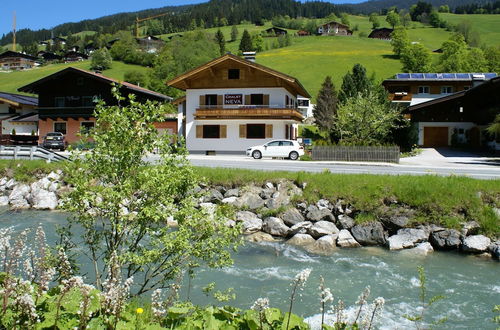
[(260, 274)]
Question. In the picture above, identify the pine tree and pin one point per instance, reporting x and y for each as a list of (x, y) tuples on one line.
[(246, 42), (221, 41), (325, 109), (234, 33), (354, 83)]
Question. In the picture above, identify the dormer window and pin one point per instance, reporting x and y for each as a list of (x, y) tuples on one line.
[(233, 74)]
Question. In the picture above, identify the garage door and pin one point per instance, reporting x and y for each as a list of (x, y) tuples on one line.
[(435, 137)]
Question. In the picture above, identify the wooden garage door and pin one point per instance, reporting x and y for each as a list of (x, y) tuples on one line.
[(435, 137)]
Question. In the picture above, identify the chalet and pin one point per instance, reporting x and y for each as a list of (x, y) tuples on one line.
[(48, 56), (303, 33), (232, 104), (18, 114), (459, 118), (11, 60), (334, 29), (274, 32), (74, 56), (382, 33), (150, 44), (67, 101)]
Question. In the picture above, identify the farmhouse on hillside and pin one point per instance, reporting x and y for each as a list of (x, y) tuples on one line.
[(150, 44), (274, 32), (382, 33), (11, 60), (67, 101), (18, 118), (232, 104), (334, 29)]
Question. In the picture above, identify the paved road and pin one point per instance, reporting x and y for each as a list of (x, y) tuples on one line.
[(479, 172)]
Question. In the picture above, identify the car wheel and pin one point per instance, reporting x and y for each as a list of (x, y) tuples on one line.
[(294, 155), (257, 154)]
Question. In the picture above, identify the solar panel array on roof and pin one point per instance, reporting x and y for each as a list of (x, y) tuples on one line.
[(430, 75), (462, 76), (490, 75), (448, 76), (443, 76)]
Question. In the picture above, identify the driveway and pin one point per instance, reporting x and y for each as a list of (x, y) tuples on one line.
[(445, 157)]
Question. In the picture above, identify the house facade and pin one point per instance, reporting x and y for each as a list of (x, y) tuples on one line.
[(232, 104), (334, 29), (382, 34), (274, 32), (459, 118), (18, 115), (67, 101), (10, 60)]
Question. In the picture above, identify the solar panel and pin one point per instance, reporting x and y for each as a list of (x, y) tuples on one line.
[(417, 75), (430, 75), (463, 76), (448, 76), (403, 76), (490, 75)]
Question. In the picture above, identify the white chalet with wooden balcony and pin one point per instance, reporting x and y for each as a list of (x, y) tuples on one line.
[(232, 104)]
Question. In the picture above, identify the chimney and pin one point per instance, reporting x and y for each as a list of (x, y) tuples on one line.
[(478, 79), (249, 56)]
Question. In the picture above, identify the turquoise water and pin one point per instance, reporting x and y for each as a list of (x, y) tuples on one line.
[(470, 284)]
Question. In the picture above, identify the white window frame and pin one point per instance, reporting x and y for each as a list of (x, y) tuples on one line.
[(445, 88), (424, 88)]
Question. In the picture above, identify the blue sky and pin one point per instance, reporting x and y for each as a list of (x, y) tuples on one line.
[(36, 14)]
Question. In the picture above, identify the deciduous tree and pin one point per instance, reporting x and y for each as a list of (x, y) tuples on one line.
[(101, 60), (399, 40), (416, 58), (393, 19)]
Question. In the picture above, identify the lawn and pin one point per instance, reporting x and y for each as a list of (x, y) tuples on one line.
[(11, 81)]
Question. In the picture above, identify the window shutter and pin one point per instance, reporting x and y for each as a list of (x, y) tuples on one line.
[(202, 101), (243, 131), (219, 100), (286, 100), (199, 131), (223, 131), (266, 99), (248, 99), (269, 131), (287, 132)]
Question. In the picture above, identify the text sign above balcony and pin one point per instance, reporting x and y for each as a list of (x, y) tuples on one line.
[(233, 99)]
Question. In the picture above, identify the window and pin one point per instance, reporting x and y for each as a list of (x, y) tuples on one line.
[(423, 89), (286, 144), (446, 90), (59, 102), (257, 99), (233, 74), (60, 127), (303, 103), (211, 99), (256, 131), (273, 144), (86, 126), (211, 131)]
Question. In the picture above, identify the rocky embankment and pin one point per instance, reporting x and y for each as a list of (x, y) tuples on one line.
[(274, 212)]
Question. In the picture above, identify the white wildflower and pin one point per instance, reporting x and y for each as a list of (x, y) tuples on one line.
[(260, 304), (157, 304), (301, 278)]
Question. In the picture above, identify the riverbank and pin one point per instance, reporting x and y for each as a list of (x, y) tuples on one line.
[(323, 212)]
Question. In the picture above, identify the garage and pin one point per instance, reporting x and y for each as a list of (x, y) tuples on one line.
[(435, 137)]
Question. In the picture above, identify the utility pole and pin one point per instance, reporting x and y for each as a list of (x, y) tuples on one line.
[(14, 32)]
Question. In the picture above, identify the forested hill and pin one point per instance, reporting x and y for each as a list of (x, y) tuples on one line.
[(215, 13)]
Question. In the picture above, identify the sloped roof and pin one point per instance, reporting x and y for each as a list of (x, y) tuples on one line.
[(11, 53), (177, 82), (30, 88), (336, 23), (27, 118), (18, 100)]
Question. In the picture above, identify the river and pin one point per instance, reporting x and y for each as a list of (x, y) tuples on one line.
[(470, 284)]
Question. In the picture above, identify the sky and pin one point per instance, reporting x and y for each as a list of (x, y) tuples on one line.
[(36, 14)]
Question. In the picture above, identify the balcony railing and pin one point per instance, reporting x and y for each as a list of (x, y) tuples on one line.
[(246, 106), (249, 112), (64, 112)]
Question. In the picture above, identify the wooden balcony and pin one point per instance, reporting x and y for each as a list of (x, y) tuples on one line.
[(400, 97), (65, 112), (248, 112)]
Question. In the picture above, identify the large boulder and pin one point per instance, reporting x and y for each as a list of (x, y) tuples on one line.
[(292, 216), (346, 240), (232, 193), (4, 200), (494, 249), (249, 200), (275, 227), (395, 222), (476, 244), (259, 237), (213, 196), (300, 228), (301, 240), (250, 222), (470, 228), (324, 245), (422, 249), (279, 198), (446, 239), (19, 196), (370, 233), (322, 228), (44, 200), (346, 222), (43, 183), (315, 214), (406, 238)]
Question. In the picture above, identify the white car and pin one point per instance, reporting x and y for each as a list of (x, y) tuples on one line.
[(277, 148)]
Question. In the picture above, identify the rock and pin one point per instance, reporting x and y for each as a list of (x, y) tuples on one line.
[(209, 208), (10, 184), (4, 200), (370, 233), (396, 222), (53, 187), (346, 222), (43, 183), (251, 223), (470, 228), (230, 223), (476, 244), (300, 228), (323, 204), (422, 248), (446, 239), (213, 196), (230, 200), (279, 198), (496, 210), (495, 250), (250, 200), (20, 191), (325, 245), (54, 176), (406, 238), (19, 203), (302, 206), (44, 200), (292, 216), (346, 240), (259, 237), (315, 214), (269, 185), (289, 188), (267, 193), (322, 228), (275, 227), (232, 193), (301, 240)]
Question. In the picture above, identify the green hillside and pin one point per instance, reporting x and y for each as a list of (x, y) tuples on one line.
[(11, 81), (487, 25)]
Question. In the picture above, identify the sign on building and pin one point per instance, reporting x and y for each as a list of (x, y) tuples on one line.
[(233, 99)]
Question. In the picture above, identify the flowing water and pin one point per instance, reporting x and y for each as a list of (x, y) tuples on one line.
[(470, 284)]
